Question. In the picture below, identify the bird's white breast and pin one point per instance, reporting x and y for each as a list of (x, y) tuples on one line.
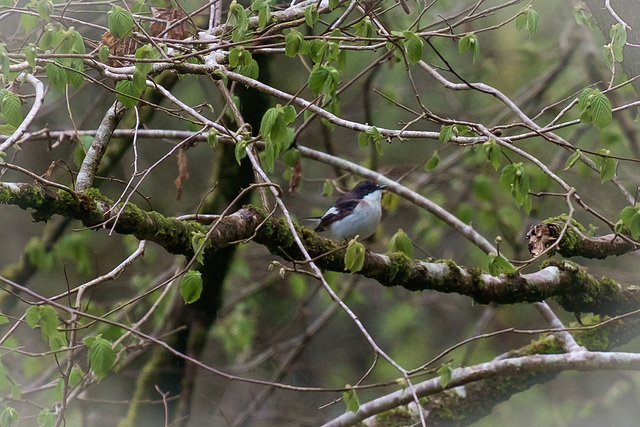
[(363, 221)]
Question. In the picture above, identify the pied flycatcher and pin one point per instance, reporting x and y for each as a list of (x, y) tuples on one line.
[(357, 212)]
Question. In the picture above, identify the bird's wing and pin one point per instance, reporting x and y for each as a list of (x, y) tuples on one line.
[(338, 211)]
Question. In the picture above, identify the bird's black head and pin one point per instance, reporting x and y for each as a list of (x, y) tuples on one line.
[(366, 187)]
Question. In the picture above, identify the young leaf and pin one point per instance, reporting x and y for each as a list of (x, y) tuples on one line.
[(46, 418), (48, 320), (327, 188), (103, 53), (319, 75), (572, 159), (499, 264), (30, 53), (120, 22), (56, 75), (240, 150), (446, 132), (351, 400), (600, 110), (363, 139), (8, 417), (251, 70), (354, 257), (75, 376), (28, 22), (100, 356), (493, 153), (413, 45), (432, 162), (212, 138), (445, 372), (45, 9), (311, 15), (293, 43), (128, 93), (197, 240), (618, 34), (191, 286), (291, 157), (400, 242), (11, 108), (606, 165), (470, 42)]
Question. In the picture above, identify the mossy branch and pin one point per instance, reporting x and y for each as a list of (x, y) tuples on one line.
[(570, 284)]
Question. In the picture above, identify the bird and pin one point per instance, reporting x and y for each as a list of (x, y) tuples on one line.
[(356, 213)]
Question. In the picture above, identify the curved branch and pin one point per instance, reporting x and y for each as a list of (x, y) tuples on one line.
[(37, 103)]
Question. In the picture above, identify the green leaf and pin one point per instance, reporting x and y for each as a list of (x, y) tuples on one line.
[(57, 341), (515, 178), (45, 9), (311, 15), (28, 22), (351, 400), (327, 188), (400, 242), (212, 138), (103, 53), (606, 165), (145, 52), (618, 34), (634, 227), (354, 257), (46, 418), (197, 240), (238, 19), (127, 93), (493, 153), (319, 75), (268, 121), (432, 162), (291, 157), (11, 108), (251, 70), (56, 75), (75, 376), (32, 316), (446, 132), (4, 60), (364, 28), (120, 22), (572, 159), (528, 19), (363, 139), (293, 43), (75, 79), (43, 316), (191, 286), (470, 43), (264, 15), (30, 53), (100, 356), (499, 264), (601, 112), (628, 213), (8, 417), (446, 373), (240, 150), (413, 45), (48, 320)]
